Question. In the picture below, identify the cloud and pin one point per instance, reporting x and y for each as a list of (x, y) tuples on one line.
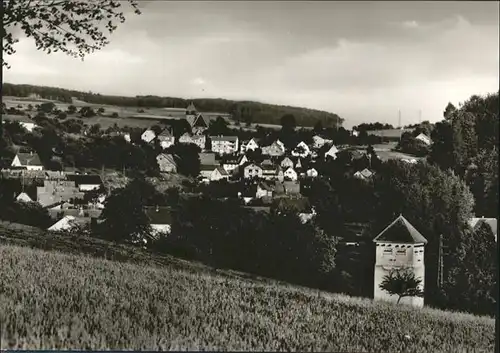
[(410, 24)]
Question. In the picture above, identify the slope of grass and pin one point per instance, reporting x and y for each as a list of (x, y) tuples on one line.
[(54, 300)]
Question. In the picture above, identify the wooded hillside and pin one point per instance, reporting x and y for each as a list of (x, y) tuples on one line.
[(244, 111)]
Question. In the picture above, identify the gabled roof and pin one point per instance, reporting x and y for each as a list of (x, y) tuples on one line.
[(265, 186), (222, 171), (85, 179), (224, 138), (366, 173), (167, 157), (165, 133), (23, 197), (29, 158), (400, 231), (207, 158), (333, 149), (191, 107), (200, 121), (290, 168), (252, 165), (158, 215), (267, 162)]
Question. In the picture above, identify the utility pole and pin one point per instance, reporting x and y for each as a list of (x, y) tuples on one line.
[(399, 119), (420, 116), (440, 262)]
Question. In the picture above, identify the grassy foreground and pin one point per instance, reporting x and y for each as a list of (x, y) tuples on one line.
[(50, 300)]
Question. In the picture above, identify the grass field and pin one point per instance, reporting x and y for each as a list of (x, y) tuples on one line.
[(53, 300)]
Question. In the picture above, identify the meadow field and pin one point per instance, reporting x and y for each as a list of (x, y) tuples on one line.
[(79, 300)]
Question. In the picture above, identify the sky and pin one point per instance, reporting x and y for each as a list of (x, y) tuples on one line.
[(361, 60)]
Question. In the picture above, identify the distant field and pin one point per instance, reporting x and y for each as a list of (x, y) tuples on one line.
[(58, 301), (391, 133), (385, 151)]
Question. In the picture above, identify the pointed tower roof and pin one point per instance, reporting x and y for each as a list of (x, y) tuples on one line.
[(400, 231), (191, 107)]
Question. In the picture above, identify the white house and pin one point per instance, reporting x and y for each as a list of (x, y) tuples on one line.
[(167, 163), (224, 144), (28, 125), (301, 150), (276, 149), (312, 173), (365, 174), (166, 139), (67, 223), (86, 182), (290, 174), (332, 152), (148, 136), (399, 247), (264, 190), (23, 197), (243, 160), (160, 220), (252, 171), (198, 140), (286, 163), (219, 173), (424, 138), (250, 145), (30, 161), (319, 141), (230, 164)]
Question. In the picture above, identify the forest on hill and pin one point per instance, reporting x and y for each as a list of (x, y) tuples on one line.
[(242, 111)]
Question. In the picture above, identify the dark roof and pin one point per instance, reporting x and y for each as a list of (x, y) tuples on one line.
[(29, 158), (222, 171), (85, 179), (200, 121), (158, 215), (224, 138), (165, 133), (207, 158), (400, 231)]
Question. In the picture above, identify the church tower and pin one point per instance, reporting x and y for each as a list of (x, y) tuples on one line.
[(191, 109), (399, 246)]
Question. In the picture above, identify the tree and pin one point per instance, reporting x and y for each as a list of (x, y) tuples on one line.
[(29, 108), (47, 107), (288, 122), (73, 27), (100, 110), (218, 127), (448, 111), (318, 127), (403, 283), (123, 216), (62, 116), (87, 112), (71, 109), (473, 286), (114, 115), (187, 158)]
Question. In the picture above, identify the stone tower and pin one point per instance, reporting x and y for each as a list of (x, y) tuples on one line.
[(399, 246)]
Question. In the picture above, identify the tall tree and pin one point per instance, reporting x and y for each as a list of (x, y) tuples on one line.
[(123, 217), (74, 27)]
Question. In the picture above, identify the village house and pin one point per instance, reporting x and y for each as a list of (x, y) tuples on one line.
[(271, 171), (276, 149), (264, 190), (286, 163), (27, 160), (319, 141), (198, 122), (23, 197), (301, 150), (249, 145), (207, 158), (67, 223), (167, 163), (148, 136), (219, 173), (424, 138), (252, 171), (166, 139), (312, 173), (160, 220), (332, 152), (86, 182), (290, 174), (224, 144), (398, 246), (365, 174), (54, 191), (289, 188), (198, 140), (232, 163)]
